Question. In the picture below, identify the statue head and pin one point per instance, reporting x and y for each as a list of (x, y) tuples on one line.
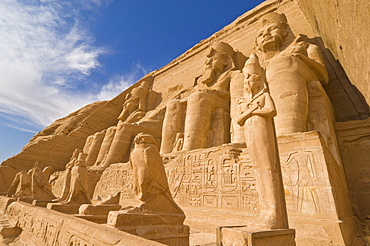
[(253, 82), (145, 84), (272, 29), (219, 60), (143, 138)]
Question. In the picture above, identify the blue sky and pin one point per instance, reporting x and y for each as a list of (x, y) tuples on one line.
[(57, 56)]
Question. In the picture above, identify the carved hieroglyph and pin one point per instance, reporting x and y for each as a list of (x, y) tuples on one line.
[(257, 110)]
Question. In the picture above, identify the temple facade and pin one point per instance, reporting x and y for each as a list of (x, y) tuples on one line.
[(258, 134)]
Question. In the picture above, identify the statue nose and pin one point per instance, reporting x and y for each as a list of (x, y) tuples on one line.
[(266, 32)]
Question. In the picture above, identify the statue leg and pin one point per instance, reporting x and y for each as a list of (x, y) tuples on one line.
[(201, 106), (262, 147), (121, 144), (172, 124)]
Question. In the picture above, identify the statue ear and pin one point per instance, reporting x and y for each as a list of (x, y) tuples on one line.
[(284, 30), (226, 59)]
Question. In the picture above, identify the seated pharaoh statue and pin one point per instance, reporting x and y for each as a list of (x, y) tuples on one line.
[(207, 114), (135, 117), (289, 66)]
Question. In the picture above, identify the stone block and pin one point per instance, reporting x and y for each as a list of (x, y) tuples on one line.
[(246, 236), (64, 208), (40, 203), (28, 200), (4, 203), (89, 209), (120, 219), (100, 219)]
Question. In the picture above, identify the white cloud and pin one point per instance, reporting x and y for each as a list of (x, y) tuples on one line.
[(119, 83), (44, 53)]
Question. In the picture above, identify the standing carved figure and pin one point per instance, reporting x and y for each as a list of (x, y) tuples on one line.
[(41, 188), (79, 186), (149, 177), (67, 175), (257, 112), (21, 185)]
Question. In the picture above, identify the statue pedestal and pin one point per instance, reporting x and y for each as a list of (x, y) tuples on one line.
[(248, 236), (164, 228), (89, 209), (40, 203), (97, 213), (4, 203), (26, 199), (99, 219), (64, 208)]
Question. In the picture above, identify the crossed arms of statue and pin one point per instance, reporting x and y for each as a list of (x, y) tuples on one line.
[(261, 105)]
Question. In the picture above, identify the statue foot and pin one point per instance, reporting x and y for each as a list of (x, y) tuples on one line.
[(266, 221)]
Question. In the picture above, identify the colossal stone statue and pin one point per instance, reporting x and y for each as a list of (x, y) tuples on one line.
[(257, 111), (105, 146), (130, 123), (210, 95), (135, 106), (207, 121), (93, 151), (289, 67)]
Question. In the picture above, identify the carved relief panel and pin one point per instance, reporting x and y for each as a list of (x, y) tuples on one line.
[(213, 178)]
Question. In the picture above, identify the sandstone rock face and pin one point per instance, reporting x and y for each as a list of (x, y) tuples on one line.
[(344, 27), (258, 111)]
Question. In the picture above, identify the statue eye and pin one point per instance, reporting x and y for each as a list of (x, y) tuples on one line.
[(272, 28)]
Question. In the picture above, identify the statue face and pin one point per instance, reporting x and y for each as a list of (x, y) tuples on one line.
[(270, 37), (215, 61), (252, 83)]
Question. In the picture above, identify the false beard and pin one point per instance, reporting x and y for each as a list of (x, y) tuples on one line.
[(208, 77)]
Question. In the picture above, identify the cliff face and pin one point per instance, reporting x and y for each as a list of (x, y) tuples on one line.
[(53, 145), (345, 29)]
